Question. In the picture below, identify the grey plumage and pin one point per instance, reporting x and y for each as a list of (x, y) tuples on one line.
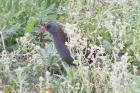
[(55, 30)]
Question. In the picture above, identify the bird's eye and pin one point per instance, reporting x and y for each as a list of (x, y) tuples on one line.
[(48, 26)]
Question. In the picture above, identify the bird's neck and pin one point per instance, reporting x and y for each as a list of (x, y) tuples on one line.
[(58, 42)]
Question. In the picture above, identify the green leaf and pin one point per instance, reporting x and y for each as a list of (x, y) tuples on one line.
[(8, 89), (50, 8), (30, 25), (52, 17), (107, 36), (71, 74), (51, 12)]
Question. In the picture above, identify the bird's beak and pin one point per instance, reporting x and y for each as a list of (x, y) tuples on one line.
[(42, 29)]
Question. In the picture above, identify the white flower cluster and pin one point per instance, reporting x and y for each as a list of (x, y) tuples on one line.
[(120, 76)]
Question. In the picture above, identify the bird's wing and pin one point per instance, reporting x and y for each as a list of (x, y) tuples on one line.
[(65, 54), (63, 36)]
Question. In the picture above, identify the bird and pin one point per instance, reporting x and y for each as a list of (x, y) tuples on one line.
[(59, 38)]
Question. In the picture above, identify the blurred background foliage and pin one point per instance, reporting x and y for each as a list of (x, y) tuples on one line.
[(20, 16)]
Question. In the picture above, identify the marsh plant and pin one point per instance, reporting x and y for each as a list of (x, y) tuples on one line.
[(109, 29)]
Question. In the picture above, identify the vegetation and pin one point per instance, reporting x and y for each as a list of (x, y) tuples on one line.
[(29, 63)]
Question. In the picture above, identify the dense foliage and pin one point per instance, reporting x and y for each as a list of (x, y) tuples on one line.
[(28, 61)]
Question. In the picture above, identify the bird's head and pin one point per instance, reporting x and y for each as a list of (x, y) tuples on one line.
[(51, 27)]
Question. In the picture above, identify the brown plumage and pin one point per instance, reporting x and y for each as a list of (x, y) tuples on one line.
[(63, 36)]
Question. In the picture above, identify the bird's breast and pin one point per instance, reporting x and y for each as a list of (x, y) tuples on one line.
[(58, 43)]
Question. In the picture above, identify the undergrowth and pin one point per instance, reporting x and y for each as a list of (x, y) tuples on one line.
[(109, 29)]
